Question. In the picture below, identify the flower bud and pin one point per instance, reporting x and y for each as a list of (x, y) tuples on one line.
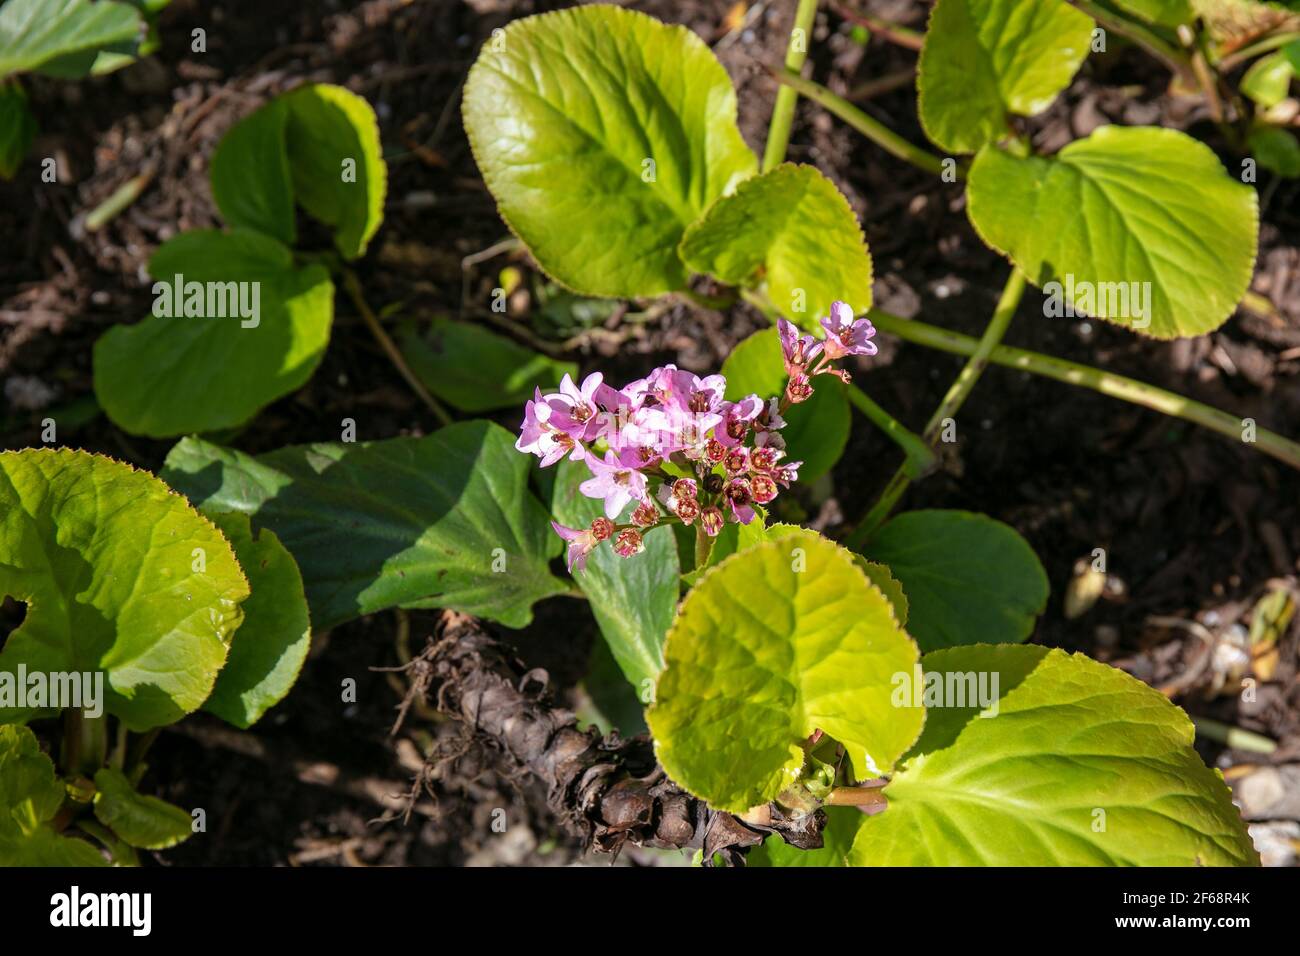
[(645, 515), (628, 543), (711, 520), (602, 528), (685, 488), (688, 509), (713, 483)]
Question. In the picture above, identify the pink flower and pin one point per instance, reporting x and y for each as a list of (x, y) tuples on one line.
[(737, 418), (844, 336), (628, 543), (614, 482), (574, 410), (537, 436), (581, 543), (796, 350), (711, 520), (739, 497), (763, 488)]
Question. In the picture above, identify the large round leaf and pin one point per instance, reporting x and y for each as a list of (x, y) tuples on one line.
[(776, 642), (441, 521), (633, 599), (169, 375), (817, 430), (603, 133), (968, 579), (34, 33), (119, 575), (1078, 764), (986, 59), (1142, 227), (791, 230)]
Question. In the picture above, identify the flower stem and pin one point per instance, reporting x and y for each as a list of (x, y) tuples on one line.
[(920, 457), (952, 402), (872, 798), (874, 130), (353, 288), (1166, 53), (778, 131), (703, 547), (1107, 383), (894, 33)]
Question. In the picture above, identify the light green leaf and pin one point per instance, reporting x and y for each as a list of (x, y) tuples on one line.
[(877, 574), (633, 599), (269, 648), (1268, 80), (1080, 765), (476, 370), (1292, 52), (105, 558), (336, 162), (250, 174), (791, 231), (1276, 150), (30, 796), (140, 820), (774, 643), (1123, 208), (167, 376), (36, 33), (603, 133), (816, 430), (984, 60), (1165, 13), (842, 825), (406, 522), (968, 579), (17, 127)]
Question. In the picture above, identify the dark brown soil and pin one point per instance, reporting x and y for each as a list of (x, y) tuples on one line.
[(1194, 526)]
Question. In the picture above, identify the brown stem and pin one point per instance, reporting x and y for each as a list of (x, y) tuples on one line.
[(608, 789)]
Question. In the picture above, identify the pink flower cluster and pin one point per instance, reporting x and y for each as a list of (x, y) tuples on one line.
[(673, 445)]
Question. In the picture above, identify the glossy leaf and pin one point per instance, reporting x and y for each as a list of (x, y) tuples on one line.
[(476, 370), (968, 579), (778, 641), (250, 174), (120, 575), (268, 650), (791, 232), (984, 60), (816, 430), (30, 796), (37, 33), (167, 376), (141, 820), (1268, 80), (1124, 207), (1081, 765), (633, 599), (1276, 149), (441, 521), (602, 134), (877, 574)]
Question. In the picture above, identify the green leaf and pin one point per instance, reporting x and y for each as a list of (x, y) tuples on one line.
[(1078, 764), (441, 521), (877, 574), (1165, 13), (1268, 80), (105, 558), (1124, 207), (476, 370), (30, 796), (34, 33), (336, 162), (269, 648), (250, 174), (602, 134), (1292, 52), (792, 231), (140, 820), (968, 579), (984, 60), (17, 128), (842, 825), (1276, 150), (167, 376), (816, 430), (633, 599), (776, 642)]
